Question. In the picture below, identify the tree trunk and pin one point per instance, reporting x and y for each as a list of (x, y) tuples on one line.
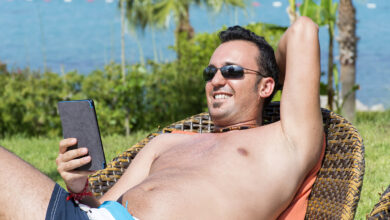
[(123, 39), (123, 67), (348, 50), (184, 26), (127, 123), (154, 43), (330, 71)]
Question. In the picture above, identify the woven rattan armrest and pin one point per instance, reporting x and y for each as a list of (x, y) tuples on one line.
[(381, 210)]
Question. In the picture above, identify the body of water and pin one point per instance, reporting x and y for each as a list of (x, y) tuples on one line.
[(84, 35)]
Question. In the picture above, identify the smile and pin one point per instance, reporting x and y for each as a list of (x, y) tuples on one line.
[(221, 96)]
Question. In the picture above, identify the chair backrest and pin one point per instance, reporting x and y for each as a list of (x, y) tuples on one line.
[(336, 191), (381, 210)]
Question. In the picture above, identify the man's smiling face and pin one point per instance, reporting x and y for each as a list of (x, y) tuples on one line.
[(234, 101)]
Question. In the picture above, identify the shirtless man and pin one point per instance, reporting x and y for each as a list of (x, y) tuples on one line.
[(239, 174)]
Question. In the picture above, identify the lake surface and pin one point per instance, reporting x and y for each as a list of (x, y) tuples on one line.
[(84, 35)]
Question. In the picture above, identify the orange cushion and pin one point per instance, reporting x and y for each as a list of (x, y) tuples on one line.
[(298, 206), (183, 132)]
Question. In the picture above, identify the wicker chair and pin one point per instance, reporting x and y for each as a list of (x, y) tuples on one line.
[(336, 191), (381, 210)]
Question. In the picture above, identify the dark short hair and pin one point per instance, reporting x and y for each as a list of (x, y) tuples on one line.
[(266, 61)]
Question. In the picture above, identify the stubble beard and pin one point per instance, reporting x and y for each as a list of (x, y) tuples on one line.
[(217, 105), (218, 117)]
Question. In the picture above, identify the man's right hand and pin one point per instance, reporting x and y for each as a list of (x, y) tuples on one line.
[(68, 161)]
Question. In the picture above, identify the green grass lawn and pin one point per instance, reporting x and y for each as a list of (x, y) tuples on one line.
[(375, 130), (42, 152), (373, 127)]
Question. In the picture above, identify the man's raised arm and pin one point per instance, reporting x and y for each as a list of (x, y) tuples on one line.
[(298, 57)]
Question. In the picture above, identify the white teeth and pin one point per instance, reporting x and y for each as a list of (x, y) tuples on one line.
[(221, 96)]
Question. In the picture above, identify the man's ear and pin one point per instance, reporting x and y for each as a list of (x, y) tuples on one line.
[(266, 87)]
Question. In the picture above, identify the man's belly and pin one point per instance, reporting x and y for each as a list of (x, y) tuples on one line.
[(178, 194)]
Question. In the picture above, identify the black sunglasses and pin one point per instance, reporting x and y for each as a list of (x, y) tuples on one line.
[(228, 71)]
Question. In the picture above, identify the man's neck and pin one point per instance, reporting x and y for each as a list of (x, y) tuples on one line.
[(238, 126)]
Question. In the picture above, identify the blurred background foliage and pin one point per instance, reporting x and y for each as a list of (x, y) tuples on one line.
[(153, 95)]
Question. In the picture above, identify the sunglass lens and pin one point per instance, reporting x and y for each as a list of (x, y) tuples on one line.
[(209, 72), (232, 71)]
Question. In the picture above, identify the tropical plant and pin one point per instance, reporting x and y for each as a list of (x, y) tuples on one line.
[(292, 11), (324, 14), (116, 99), (143, 13), (28, 103), (139, 14), (340, 99), (347, 46)]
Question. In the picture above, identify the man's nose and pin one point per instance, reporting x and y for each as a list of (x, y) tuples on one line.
[(218, 79)]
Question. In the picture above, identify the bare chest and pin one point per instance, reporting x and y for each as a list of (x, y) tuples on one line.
[(210, 154)]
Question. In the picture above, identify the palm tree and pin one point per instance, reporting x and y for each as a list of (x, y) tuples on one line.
[(123, 63), (330, 10), (122, 2), (348, 50), (143, 13), (139, 14)]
